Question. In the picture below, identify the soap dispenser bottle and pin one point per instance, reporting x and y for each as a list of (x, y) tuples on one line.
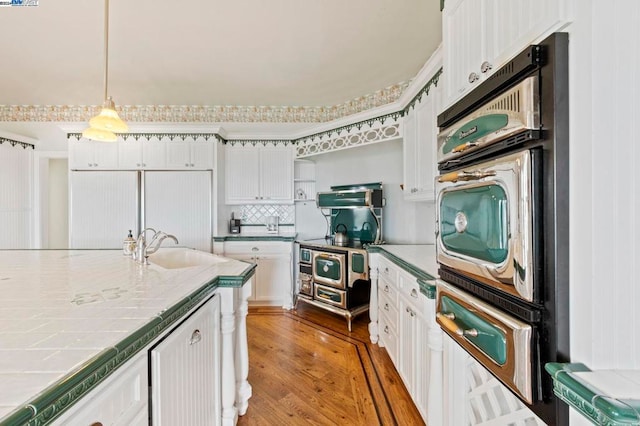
[(129, 245)]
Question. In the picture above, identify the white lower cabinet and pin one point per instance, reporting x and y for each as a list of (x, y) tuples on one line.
[(273, 281), (122, 399), (406, 327), (181, 378), (185, 371), (474, 397)]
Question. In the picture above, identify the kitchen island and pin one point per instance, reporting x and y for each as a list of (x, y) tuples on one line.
[(71, 318)]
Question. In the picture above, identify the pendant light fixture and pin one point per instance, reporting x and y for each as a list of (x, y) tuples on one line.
[(104, 126)]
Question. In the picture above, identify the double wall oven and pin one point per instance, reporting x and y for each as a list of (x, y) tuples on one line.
[(502, 223)]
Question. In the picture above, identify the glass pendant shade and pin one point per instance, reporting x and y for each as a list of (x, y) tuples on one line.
[(99, 135), (108, 119)]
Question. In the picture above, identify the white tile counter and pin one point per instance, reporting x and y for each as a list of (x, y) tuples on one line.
[(60, 309)]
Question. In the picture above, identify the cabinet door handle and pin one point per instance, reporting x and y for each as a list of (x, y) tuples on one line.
[(255, 249), (386, 329), (414, 293), (196, 336), (473, 77), (386, 270), (485, 67), (386, 306), (386, 289)]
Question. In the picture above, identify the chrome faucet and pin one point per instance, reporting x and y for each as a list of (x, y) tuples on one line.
[(158, 238), (143, 250)]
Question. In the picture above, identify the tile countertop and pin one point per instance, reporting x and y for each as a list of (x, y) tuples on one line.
[(256, 236), (418, 260), (606, 397), (63, 311)]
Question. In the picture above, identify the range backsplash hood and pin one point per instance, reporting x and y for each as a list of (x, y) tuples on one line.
[(366, 195)]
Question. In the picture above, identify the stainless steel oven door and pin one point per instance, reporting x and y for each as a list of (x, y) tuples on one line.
[(358, 266), (329, 269), (484, 224), (498, 341), (306, 284), (330, 295)]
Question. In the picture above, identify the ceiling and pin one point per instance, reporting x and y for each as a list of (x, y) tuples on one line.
[(213, 52)]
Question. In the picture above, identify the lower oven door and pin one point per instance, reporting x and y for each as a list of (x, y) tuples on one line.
[(329, 269), (330, 295), (358, 266), (484, 223), (501, 343)]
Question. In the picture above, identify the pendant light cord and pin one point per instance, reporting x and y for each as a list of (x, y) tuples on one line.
[(106, 47)]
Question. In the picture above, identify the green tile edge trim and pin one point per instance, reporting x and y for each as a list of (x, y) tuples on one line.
[(290, 239), (426, 282), (589, 400), (60, 396)]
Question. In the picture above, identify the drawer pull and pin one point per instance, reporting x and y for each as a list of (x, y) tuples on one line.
[(255, 249), (450, 325), (410, 311), (386, 270), (485, 67), (386, 289), (386, 306), (196, 336), (473, 77), (414, 293), (386, 329)]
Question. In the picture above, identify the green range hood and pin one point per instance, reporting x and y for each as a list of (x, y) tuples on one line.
[(352, 196)]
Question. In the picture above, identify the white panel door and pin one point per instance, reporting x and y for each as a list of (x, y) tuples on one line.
[(130, 154), (185, 371), (103, 208), (409, 153), (154, 154), (178, 154), (105, 155), (242, 175), (15, 197), (179, 203), (273, 282), (276, 174), (202, 154)]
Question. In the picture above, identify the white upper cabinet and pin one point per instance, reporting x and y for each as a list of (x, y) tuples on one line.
[(419, 147), (142, 154), (84, 155), (190, 155), (481, 35), (258, 175)]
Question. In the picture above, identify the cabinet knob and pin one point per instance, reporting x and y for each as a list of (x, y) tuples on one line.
[(414, 293), (138, 164), (386, 289), (413, 314), (257, 198), (90, 165), (192, 165), (196, 336), (144, 164), (386, 329), (473, 77), (255, 249), (386, 306), (95, 164), (186, 164), (485, 67)]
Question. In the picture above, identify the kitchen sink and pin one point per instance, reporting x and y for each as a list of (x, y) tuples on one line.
[(184, 258)]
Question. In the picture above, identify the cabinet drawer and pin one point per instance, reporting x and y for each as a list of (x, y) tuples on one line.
[(389, 290), (120, 399), (388, 308), (257, 247), (388, 270), (410, 291), (389, 338)]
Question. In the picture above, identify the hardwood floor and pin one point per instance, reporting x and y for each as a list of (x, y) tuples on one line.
[(306, 368)]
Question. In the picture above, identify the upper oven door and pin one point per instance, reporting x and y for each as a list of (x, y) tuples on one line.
[(509, 114), (329, 269), (484, 223)]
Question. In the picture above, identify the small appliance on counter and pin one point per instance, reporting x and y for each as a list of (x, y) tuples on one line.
[(234, 225), (271, 222)]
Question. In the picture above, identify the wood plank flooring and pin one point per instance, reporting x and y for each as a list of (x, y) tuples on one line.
[(305, 367)]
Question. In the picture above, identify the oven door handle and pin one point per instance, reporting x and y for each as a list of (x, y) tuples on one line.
[(465, 176), (447, 321)]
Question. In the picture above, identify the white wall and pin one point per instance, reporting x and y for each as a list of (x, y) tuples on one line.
[(403, 222), (58, 185), (605, 185)]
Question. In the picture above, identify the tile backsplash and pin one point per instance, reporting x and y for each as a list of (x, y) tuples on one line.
[(255, 214)]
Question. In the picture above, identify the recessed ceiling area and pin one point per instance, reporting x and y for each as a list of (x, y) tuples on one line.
[(213, 52)]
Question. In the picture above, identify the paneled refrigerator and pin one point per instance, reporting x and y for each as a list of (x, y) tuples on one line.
[(104, 205)]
